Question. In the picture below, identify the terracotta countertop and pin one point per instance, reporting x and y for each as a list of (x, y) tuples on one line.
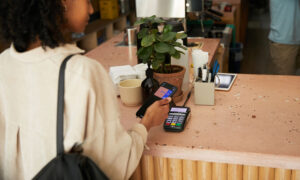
[(108, 54), (256, 123)]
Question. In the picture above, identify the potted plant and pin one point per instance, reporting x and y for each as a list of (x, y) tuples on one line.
[(157, 47)]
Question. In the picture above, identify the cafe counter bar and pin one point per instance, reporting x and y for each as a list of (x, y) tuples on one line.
[(252, 132)]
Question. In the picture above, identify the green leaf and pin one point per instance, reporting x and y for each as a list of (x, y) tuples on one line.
[(181, 52), (168, 28), (152, 17), (143, 33), (180, 35), (149, 20), (145, 52), (158, 38), (176, 55), (182, 47), (148, 40), (154, 31), (158, 20), (139, 22), (160, 56), (156, 64), (172, 50), (161, 47), (168, 36), (177, 44), (145, 61), (140, 51)]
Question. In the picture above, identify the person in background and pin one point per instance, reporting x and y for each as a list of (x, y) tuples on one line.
[(38, 31), (284, 36)]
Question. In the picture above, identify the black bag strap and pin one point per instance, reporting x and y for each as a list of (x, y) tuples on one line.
[(60, 107)]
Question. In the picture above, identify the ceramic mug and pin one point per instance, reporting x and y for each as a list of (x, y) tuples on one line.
[(131, 92)]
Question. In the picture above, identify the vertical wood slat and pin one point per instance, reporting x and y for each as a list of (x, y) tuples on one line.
[(219, 171), (282, 174), (160, 168), (137, 175), (109, 31), (296, 175), (147, 167), (204, 170), (189, 170), (235, 172), (266, 173), (174, 169), (250, 173)]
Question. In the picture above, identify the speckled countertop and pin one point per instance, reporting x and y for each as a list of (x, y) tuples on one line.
[(256, 123)]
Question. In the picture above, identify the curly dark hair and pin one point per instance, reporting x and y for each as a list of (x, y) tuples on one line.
[(22, 22)]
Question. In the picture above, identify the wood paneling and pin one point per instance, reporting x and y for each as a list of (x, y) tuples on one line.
[(157, 168)]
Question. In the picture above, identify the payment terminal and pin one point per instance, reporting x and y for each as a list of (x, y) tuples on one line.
[(178, 117)]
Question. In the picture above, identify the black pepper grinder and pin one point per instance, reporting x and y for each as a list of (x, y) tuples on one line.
[(149, 85)]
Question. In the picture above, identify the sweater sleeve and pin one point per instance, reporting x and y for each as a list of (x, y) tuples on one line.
[(116, 151)]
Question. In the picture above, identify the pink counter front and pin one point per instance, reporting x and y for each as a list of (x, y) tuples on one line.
[(252, 131)]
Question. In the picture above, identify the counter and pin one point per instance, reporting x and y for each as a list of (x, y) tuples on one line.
[(252, 132)]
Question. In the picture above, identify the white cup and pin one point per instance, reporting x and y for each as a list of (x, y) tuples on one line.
[(131, 92), (199, 59)]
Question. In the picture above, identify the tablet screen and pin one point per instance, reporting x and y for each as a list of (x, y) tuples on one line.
[(226, 81)]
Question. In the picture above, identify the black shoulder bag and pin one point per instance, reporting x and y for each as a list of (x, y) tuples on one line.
[(68, 166)]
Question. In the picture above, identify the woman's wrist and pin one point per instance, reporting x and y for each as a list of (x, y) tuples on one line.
[(145, 121)]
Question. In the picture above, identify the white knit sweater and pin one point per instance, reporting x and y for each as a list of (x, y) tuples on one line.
[(28, 102)]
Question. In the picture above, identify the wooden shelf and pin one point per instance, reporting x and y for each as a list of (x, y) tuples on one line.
[(101, 24), (241, 20), (89, 40)]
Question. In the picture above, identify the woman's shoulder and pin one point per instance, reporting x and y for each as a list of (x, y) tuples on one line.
[(4, 54), (86, 67)]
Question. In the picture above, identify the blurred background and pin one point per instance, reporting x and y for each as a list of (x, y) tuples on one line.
[(250, 54)]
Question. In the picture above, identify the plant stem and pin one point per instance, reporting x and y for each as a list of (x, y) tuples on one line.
[(163, 67), (148, 63)]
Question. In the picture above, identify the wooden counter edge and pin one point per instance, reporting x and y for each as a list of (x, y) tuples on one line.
[(230, 157)]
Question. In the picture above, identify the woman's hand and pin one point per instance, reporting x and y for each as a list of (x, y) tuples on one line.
[(156, 113)]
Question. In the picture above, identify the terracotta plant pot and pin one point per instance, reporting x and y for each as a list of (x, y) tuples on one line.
[(175, 79)]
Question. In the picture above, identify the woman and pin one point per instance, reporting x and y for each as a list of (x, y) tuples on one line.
[(28, 94)]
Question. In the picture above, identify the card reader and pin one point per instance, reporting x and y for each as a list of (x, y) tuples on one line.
[(178, 117)]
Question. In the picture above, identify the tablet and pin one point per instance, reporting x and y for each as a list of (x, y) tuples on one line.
[(226, 81)]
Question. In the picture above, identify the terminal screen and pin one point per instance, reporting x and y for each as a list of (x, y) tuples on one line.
[(176, 109)]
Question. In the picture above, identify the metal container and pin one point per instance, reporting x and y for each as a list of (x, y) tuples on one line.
[(131, 35)]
